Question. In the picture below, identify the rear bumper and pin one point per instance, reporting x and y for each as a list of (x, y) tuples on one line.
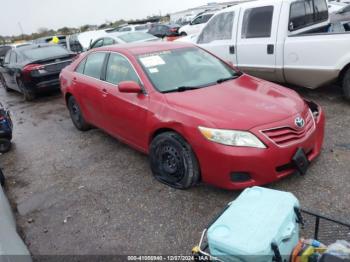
[(37, 85), (219, 163)]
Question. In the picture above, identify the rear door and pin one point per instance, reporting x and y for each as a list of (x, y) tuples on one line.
[(10, 69), (219, 36), (88, 85), (257, 37)]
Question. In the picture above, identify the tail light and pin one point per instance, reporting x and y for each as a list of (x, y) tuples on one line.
[(29, 69)]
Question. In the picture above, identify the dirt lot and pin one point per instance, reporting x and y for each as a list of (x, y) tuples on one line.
[(86, 193)]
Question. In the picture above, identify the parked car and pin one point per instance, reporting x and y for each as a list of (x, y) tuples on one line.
[(81, 42), (278, 41), (6, 127), (48, 39), (196, 25), (198, 118), (34, 68), (122, 38), (133, 28), (5, 48), (341, 15), (334, 6), (164, 30), (12, 248)]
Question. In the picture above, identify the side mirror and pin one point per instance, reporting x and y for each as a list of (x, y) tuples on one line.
[(129, 87)]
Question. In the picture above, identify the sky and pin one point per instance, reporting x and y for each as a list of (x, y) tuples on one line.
[(54, 14)]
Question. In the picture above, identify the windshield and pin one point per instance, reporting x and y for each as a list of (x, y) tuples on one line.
[(45, 52), (134, 37), (186, 67)]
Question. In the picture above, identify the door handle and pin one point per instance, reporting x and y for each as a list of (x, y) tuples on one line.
[(74, 81), (104, 92), (232, 49), (270, 49)]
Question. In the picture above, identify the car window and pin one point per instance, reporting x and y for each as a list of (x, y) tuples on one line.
[(3, 50), (141, 27), (119, 69), (108, 41), (257, 22), (74, 44), (93, 65), (45, 52), (7, 57), (80, 67), (198, 20), (13, 58), (190, 67), (97, 44), (125, 29), (218, 28), (307, 12)]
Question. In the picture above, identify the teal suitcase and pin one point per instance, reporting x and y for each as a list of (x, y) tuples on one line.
[(260, 225)]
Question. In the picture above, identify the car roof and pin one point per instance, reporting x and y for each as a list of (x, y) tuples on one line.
[(145, 48)]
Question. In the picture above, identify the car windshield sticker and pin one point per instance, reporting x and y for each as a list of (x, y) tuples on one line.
[(153, 70), (152, 61)]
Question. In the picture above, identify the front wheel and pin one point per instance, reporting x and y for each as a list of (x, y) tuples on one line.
[(76, 115), (5, 145), (346, 85), (183, 34), (173, 161)]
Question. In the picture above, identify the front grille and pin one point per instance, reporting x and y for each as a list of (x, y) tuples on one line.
[(287, 135), (57, 66)]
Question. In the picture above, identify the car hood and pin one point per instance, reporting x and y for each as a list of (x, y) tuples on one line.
[(241, 104)]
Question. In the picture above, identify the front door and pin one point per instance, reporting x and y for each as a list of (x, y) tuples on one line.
[(256, 41), (218, 36), (125, 113)]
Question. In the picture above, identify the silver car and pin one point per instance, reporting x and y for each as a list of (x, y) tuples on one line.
[(12, 248)]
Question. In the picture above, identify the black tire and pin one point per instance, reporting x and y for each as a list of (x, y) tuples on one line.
[(5, 145), (76, 115), (27, 94), (346, 85), (173, 161), (2, 178), (183, 34), (3, 83)]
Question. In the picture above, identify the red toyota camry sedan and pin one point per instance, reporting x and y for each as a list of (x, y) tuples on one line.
[(197, 117)]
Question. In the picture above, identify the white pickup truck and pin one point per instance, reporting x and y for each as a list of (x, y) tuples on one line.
[(286, 41)]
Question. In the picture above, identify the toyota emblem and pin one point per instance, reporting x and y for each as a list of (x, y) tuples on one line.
[(299, 122)]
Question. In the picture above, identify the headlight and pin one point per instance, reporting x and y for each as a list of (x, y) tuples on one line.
[(231, 137)]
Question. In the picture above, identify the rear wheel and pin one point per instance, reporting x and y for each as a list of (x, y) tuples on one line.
[(2, 179), (5, 145), (27, 94), (173, 161), (76, 115), (346, 85), (3, 83)]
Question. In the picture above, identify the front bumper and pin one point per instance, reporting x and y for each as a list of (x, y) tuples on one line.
[(219, 163)]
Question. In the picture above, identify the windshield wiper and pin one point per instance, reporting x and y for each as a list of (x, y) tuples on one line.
[(221, 80), (182, 89)]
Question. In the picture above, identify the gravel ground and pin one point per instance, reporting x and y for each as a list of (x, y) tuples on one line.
[(86, 193)]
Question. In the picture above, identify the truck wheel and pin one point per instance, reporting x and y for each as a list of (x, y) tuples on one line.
[(2, 178), (76, 115), (346, 85), (28, 95), (173, 161), (5, 145)]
